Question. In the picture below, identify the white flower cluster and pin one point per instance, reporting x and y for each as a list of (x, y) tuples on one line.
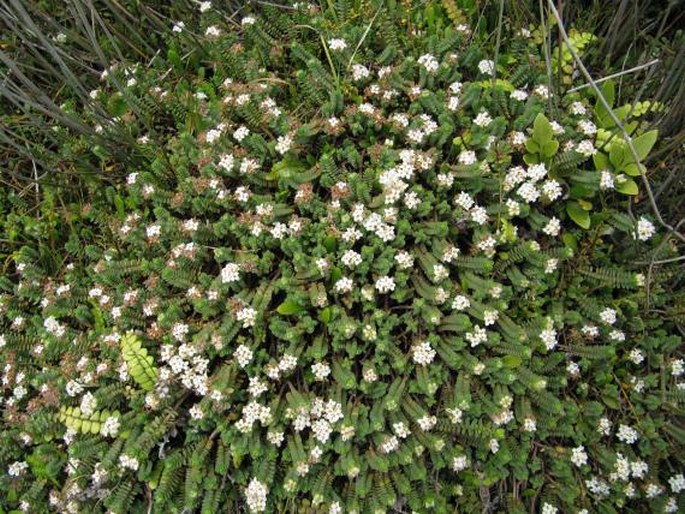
[(185, 363), (579, 456), (247, 315), (423, 353), (478, 336), (255, 496), (54, 327), (627, 434), (359, 72), (128, 462), (284, 143), (88, 404), (253, 412), (337, 44), (429, 62), (645, 229), (110, 427), (385, 285)]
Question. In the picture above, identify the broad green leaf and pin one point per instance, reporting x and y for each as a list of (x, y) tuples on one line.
[(550, 148), (644, 143), (633, 169), (570, 241), (331, 243), (617, 155), (601, 161), (585, 205), (579, 215), (325, 315), (532, 146), (628, 187), (601, 113), (609, 92), (289, 307), (531, 158), (542, 129), (511, 361)]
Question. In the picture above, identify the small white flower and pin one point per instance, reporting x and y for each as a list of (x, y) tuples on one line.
[(548, 509), (337, 44), (247, 315), (423, 353), (645, 229), (529, 425), (587, 127), (493, 445), (519, 94), (241, 133), (344, 285), (351, 259), (284, 143), (486, 67), (677, 483), (205, 6), (549, 338), (460, 463), (608, 316), (552, 228), (17, 468), (230, 273), (385, 284), (359, 72), (196, 412), (627, 434), (636, 356), (578, 109), (321, 370), (483, 119), (429, 62), (255, 496), (248, 20), (578, 456), (586, 147), (606, 180), (213, 31), (88, 404), (110, 427), (604, 426), (128, 462)]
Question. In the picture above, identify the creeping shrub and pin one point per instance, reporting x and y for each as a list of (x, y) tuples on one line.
[(361, 269)]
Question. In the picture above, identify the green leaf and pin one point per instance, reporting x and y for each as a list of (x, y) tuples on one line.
[(511, 361), (633, 169), (330, 243), (289, 307), (542, 129), (617, 155), (601, 161), (117, 105), (532, 146), (550, 148), (644, 143), (628, 187), (325, 316), (579, 215), (570, 241)]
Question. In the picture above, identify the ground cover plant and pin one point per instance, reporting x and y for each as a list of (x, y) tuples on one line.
[(352, 263)]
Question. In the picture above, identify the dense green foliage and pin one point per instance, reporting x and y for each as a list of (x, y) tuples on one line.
[(353, 265)]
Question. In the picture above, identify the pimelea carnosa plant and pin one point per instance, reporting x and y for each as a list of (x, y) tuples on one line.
[(356, 274)]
